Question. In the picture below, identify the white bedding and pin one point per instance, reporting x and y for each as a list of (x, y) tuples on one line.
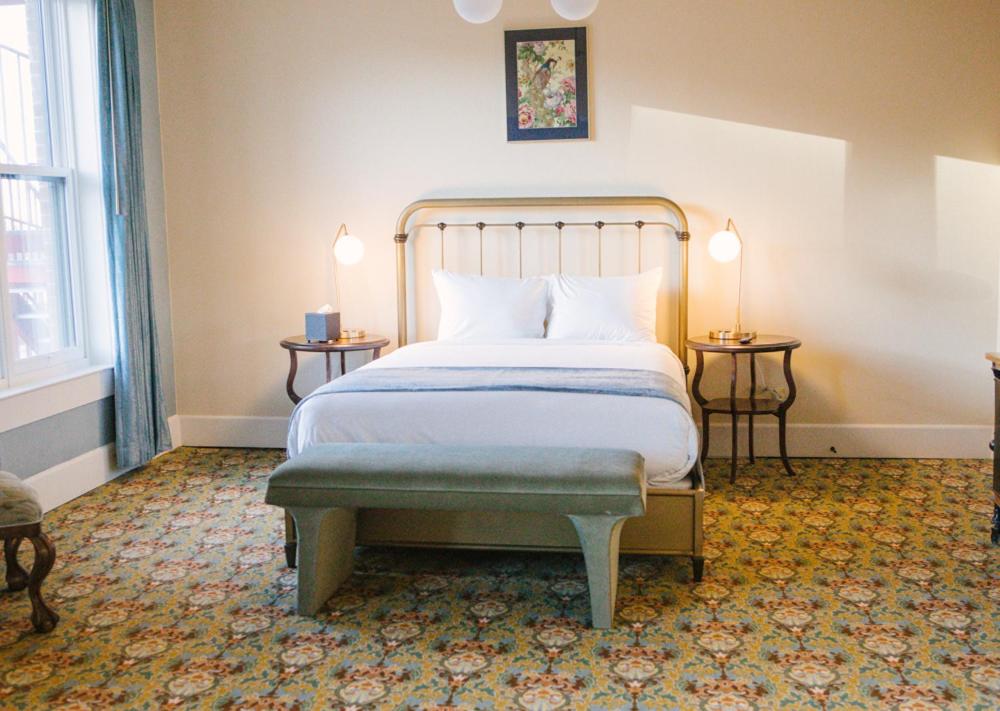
[(661, 430)]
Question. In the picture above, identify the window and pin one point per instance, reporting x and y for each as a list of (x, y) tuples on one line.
[(43, 322)]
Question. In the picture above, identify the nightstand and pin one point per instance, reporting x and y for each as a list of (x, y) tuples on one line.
[(297, 344), (749, 406)]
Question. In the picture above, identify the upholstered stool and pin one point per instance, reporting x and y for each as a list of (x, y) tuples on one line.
[(20, 518)]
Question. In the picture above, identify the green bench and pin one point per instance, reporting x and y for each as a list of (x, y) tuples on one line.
[(322, 488)]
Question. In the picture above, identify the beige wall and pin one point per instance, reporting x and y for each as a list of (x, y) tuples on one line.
[(880, 249), (155, 209)]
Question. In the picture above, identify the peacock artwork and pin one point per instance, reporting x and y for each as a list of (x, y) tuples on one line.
[(547, 84)]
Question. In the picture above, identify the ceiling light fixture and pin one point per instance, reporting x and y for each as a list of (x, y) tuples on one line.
[(574, 9), (477, 11)]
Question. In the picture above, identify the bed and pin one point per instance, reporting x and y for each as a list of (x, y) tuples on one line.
[(662, 430)]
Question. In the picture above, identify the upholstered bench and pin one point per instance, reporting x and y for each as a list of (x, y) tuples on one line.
[(20, 518), (597, 489)]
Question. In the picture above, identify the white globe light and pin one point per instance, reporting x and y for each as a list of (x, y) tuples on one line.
[(574, 9), (477, 11), (724, 246), (348, 249)]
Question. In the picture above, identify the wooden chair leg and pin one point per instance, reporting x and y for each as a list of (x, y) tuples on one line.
[(17, 577), (43, 617)]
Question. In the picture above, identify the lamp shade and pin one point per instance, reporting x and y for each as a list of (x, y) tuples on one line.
[(574, 9), (477, 11), (724, 246), (348, 249)]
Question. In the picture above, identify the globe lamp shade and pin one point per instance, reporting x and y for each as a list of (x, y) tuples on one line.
[(477, 11), (574, 9), (724, 246), (348, 249)]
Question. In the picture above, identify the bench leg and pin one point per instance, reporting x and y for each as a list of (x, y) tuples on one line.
[(698, 562), (326, 553), (599, 536)]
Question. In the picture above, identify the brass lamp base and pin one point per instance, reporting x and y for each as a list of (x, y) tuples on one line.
[(729, 335), (348, 333)]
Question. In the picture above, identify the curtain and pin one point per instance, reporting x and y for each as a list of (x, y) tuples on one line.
[(140, 417)]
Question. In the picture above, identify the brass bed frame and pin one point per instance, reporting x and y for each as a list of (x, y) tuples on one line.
[(673, 521)]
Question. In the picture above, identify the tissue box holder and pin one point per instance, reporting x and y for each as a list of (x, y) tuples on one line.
[(322, 327)]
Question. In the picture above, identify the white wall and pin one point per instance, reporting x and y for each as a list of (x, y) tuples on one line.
[(879, 249)]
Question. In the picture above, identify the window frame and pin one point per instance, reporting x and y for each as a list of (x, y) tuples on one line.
[(17, 373)]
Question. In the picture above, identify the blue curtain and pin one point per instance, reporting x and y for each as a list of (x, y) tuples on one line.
[(140, 418)]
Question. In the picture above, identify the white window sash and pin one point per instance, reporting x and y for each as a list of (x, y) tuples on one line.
[(59, 90)]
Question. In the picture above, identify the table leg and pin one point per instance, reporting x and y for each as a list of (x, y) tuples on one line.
[(736, 421), (329, 368), (704, 435), (293, 367), (783, 446), (784, 409), (343, 363), (753, 389), (696, 383), (698, 398)]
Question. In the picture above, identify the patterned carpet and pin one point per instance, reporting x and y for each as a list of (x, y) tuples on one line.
[(860, 584)]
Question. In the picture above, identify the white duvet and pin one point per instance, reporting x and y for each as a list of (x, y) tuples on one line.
[(661, 430)]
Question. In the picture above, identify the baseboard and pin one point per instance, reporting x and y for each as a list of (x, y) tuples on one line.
[(176, 432), (75, 477), (815, 440), (223, 431), (883, 441)]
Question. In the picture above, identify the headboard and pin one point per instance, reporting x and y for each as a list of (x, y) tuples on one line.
[(673, 218)]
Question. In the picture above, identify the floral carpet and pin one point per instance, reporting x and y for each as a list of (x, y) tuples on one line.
[(858, 584)]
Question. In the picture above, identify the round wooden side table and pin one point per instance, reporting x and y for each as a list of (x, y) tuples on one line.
[(297, 344), (749, 406)]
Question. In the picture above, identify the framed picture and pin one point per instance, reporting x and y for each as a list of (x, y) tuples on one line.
[(547, 84)]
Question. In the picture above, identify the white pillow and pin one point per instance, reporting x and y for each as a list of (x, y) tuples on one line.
[(485, 308), (621, 308)]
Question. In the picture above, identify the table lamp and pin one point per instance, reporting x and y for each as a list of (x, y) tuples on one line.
[(323, 324), (347, 250), (725, 246)]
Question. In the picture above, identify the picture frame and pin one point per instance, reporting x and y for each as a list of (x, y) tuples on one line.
[(547, 84)]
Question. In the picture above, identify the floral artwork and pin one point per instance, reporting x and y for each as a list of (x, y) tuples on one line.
[(546, 84)]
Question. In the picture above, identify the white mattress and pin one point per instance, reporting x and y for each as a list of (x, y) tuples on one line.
[(661, 430)]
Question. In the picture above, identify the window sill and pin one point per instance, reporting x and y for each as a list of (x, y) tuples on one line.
[(23, 405)]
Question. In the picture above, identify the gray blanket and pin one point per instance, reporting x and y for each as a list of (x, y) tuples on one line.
[(597, 381)]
